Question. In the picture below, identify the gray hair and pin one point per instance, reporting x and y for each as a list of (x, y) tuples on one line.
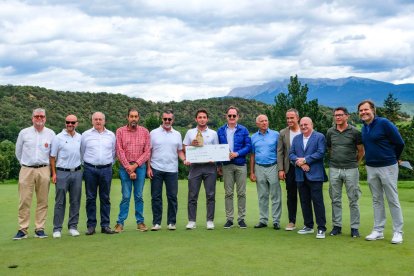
[(294, 110), (98, 112), (38, 110), (257, 118)]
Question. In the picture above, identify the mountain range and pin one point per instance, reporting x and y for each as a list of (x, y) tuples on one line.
[(346, 92)]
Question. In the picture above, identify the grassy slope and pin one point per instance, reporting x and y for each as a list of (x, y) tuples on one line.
[(234, 251)]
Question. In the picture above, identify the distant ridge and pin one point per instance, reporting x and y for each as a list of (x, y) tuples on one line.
[(346, 92)]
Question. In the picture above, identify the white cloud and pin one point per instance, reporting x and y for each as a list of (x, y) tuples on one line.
[(162, 50)]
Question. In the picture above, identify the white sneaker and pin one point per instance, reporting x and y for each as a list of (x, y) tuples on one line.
[(320, 234), (57, 235), (74, 232), (156, 227), (210, 225), (191, 225), (171, 226), (397, 238), (375, 235)]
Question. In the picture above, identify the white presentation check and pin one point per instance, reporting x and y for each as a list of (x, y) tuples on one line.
[(207, 153)]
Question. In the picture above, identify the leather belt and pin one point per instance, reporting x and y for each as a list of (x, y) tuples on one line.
[(35, 166), (266, 165), (98, 166), (69, 170)]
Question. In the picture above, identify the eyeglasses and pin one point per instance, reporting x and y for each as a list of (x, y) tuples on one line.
[(39, 116), (232, 115), (339, 115), (167, 119), (70, 123)]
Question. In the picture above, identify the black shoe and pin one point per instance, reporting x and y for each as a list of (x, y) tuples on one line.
[(90, 231), (260, 225), (276, 226), (354, 233), (242, 224), (107, 230), (228, 224), (336, 231)]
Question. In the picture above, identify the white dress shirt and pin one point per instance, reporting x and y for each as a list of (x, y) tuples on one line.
[(33, 147), (98, 148), (164, 147), (66, 149), (209, 136)]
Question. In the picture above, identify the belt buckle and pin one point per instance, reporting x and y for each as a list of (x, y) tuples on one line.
[(72, 170)]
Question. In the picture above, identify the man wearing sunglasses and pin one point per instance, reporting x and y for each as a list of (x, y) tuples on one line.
[(166, 148), (133, 151), (345, 149), (65, 162), (32, 151), (235, 171)]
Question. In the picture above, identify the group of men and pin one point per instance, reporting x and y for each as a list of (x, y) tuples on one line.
[(295, 155)]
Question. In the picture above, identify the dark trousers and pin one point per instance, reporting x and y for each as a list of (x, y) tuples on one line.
[(311, 192), (171, 186), (97, 179), (206, 173), (292, 194), (67, 182)]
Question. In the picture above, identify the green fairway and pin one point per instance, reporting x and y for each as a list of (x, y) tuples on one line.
[(202, 252)]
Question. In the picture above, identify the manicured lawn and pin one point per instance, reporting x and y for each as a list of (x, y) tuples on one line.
[(202, 252)]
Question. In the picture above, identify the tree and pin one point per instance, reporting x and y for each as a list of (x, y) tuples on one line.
[(297, 98), (391, 108), (9, 165), (152, 122)]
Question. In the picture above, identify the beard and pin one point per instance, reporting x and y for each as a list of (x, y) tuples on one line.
[(133, 124)]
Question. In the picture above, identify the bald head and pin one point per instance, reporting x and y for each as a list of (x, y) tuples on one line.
[(71, 124), (306, 126)]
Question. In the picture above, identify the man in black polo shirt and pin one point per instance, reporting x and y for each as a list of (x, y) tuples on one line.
[(346, 150)]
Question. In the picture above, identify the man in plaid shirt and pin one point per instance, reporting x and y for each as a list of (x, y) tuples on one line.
[(133, 151)]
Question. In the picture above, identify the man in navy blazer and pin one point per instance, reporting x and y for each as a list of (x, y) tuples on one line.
[(307, 152)]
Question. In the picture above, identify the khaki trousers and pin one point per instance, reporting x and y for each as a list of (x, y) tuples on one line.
[(30, 179)]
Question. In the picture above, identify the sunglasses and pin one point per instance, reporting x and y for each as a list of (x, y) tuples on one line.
[(167, 119), (232, 116), (39, 116), (70, 123)]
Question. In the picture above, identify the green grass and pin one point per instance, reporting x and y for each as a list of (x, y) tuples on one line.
[(202, 252)]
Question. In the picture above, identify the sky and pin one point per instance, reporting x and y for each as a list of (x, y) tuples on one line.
[(182, 49)]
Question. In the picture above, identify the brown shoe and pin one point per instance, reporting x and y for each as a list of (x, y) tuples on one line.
[(142, 227), (118, 228), (290, 227)]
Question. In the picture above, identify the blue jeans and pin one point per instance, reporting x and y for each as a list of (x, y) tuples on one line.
[(94, 179), (127, 185), (171, 185)]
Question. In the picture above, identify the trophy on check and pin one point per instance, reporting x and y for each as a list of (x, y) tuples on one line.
[(199, 138)]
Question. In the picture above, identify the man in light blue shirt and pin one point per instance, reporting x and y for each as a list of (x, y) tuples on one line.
[(263, 171), (65, 162), (98, 154)]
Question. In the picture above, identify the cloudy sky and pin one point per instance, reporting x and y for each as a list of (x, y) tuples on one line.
[(164, 50)]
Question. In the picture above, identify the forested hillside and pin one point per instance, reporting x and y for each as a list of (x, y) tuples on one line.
[(17, 103)]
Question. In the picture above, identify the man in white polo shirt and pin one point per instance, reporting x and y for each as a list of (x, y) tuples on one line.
[(32, 151), (65, 162), (166, 148), (206, 172)]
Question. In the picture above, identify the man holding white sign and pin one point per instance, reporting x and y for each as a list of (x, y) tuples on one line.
[(207, 172)]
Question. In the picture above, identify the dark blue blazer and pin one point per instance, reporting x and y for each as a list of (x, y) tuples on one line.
[(314, 153)]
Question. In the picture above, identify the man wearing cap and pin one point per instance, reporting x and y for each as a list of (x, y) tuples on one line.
[(32, 151), (65, 162)]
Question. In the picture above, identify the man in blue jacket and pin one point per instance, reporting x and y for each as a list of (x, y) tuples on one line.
[(307, 152), (383, 147), (235, 171)]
